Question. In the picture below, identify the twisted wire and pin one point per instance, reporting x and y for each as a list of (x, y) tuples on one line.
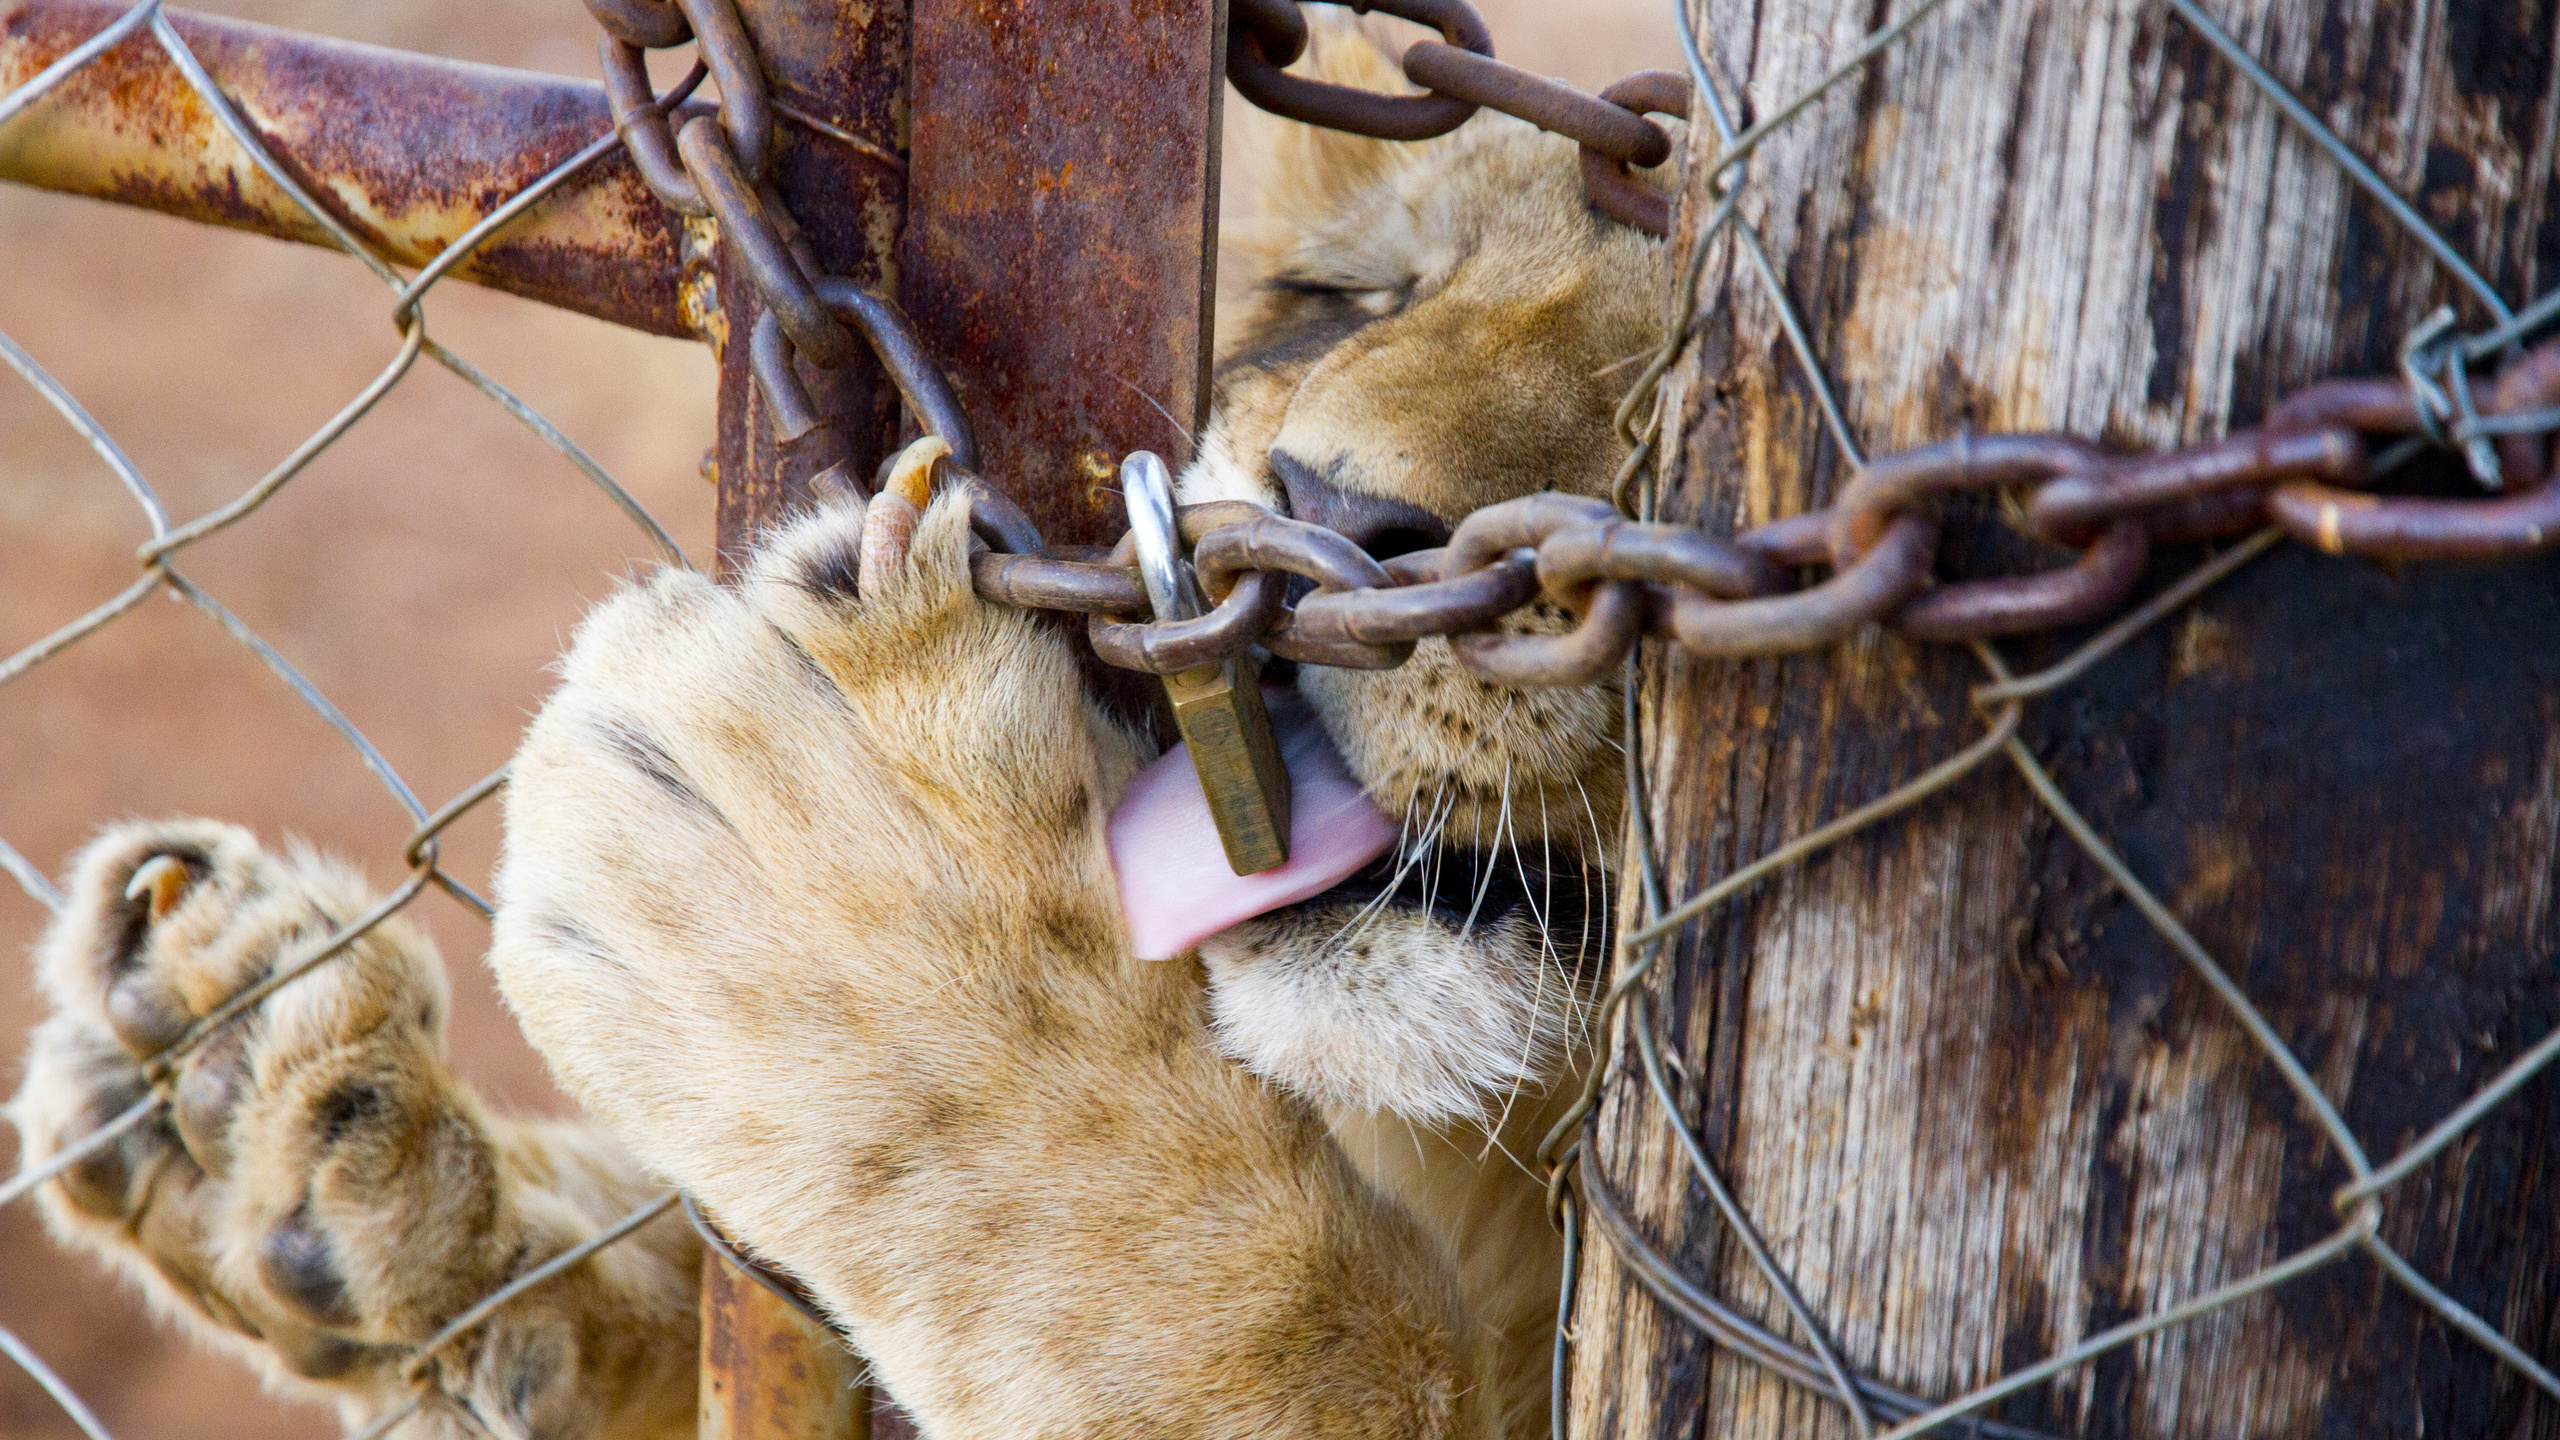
[(165, 541)]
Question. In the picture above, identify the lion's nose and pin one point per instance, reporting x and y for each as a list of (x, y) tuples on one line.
[(1382, 526)]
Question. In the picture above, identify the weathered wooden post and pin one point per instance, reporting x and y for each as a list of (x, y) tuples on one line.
[(1046, 216), (1979, 1107)]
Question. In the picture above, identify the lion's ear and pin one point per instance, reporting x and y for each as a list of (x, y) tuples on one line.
[(1315, 172)]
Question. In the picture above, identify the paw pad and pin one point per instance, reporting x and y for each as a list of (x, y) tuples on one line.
[(298, 1267)]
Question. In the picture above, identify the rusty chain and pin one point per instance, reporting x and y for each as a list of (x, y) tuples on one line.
[(1461, 76), (2306, 469), (712, 165)]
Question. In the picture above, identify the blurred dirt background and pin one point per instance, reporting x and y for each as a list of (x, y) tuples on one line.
[(423, 574)]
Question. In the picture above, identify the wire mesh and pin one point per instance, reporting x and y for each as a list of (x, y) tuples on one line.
[(158, 557), (1820, 1365), (1576, 1187)]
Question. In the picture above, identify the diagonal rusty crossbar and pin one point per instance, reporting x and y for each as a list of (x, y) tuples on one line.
[(408, 153)]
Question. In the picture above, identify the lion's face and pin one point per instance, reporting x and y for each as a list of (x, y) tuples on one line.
[(1438, 327)]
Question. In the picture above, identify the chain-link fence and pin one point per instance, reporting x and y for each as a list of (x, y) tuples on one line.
[(160, 559), (2439, 405)]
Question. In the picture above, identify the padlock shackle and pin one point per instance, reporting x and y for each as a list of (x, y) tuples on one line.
[(1147, 487)]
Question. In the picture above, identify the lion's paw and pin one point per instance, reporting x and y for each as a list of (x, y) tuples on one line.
[(806, 895), (311, 1183), (848, 735), (773, 849), (974, 701), (314, 1190)]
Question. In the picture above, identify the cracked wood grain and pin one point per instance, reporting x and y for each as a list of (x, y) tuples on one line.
[(1974, 1101)]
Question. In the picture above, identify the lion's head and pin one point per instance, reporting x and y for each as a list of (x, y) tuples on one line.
[(1435, 327)]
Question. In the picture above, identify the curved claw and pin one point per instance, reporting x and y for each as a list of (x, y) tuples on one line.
[(911, 473), (890, 524), (165, 879)]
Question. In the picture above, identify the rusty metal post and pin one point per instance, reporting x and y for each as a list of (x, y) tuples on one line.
[(1060, 251), (1058, 213), (768, 1373)]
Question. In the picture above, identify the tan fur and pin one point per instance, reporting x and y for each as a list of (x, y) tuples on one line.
[(805, 901), (322, 1195), (1443, 324)]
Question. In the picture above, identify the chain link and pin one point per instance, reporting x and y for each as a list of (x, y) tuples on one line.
[(1253, 66), (1461, 75), (2305, 470)]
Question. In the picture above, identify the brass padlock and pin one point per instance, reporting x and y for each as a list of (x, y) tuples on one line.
[(1218, 707)]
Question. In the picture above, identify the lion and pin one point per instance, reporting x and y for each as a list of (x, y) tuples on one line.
[(806, 900)]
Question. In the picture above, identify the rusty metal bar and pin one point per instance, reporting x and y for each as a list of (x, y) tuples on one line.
[(411, 151), (768, 1372), (837, 73), (1060, 250), (1057, 194)]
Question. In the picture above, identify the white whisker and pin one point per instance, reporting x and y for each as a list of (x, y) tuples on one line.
[(1546, 906), (1493, 1142), (1598, 848), (1404, 864), (1538, 995), (1158, 406), (1491, 853)]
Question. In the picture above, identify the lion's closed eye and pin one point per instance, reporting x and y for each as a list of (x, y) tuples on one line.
[(1368, 298)]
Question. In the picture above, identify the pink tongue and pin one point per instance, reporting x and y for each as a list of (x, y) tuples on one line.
[(1174, 880)]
